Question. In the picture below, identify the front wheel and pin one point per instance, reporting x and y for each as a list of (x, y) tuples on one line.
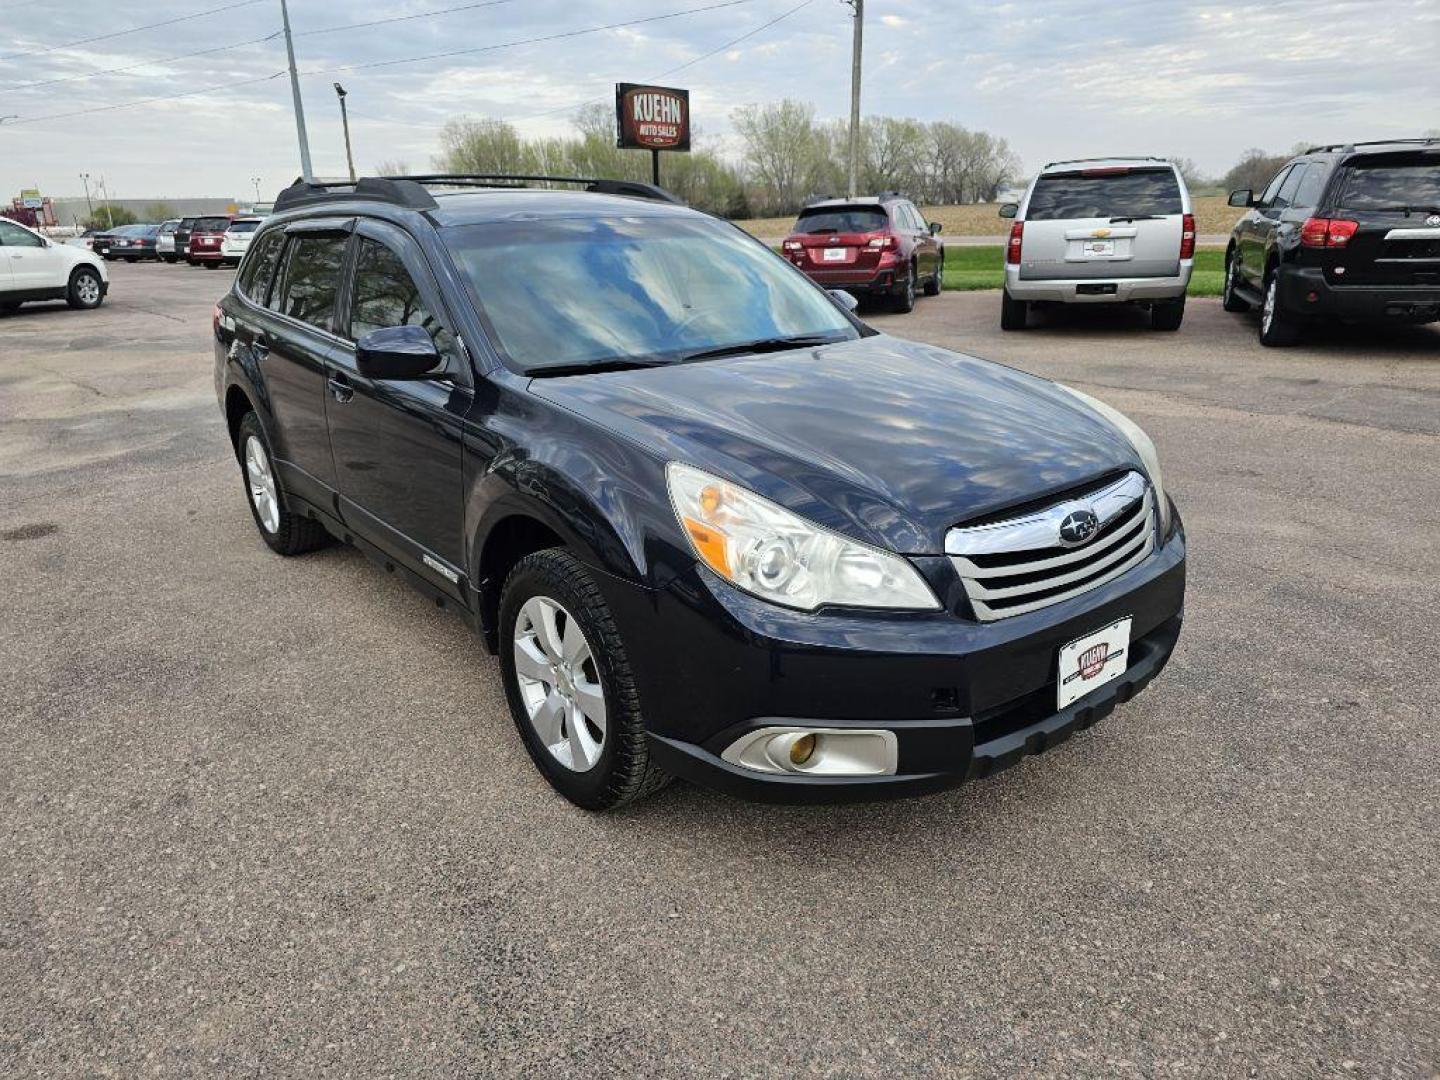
[(1276, 327), (937, 279), (569, 684), (85, 290), (1014, 314)]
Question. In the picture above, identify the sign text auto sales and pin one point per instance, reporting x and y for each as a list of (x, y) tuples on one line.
[(652, 117)]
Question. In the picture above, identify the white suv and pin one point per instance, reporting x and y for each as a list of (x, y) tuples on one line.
[(34, 268), (1101, 230)]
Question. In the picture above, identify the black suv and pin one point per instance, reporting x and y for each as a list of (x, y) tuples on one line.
[(713, 524), (1351, 231)]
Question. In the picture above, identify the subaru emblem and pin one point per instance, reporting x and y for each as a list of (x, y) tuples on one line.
[(1078, 526)]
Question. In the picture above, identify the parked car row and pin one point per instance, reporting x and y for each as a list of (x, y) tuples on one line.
[(215, 240)]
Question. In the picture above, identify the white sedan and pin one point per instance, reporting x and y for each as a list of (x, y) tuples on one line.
[(236, 240), (35, 268)]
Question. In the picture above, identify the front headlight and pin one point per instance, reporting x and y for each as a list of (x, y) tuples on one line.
[(1143, 446), (779, 556)]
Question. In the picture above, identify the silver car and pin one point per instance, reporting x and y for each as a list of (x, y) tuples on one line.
[(1101, 230)]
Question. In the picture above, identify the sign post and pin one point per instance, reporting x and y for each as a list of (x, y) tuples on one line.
[(653, 118)]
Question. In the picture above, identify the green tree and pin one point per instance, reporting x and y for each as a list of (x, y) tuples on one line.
[(160, 211), (107, 214)]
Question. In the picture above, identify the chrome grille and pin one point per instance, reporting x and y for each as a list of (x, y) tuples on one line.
[(1011, 567)]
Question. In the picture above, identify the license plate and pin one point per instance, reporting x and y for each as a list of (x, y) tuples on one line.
[(1099, 247), (833, 255), (1090, 662)]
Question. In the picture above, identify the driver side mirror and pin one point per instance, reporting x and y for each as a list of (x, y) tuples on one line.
[(934, 228), (1009, 209), (397, 352), (844, 299), (1242, 197)]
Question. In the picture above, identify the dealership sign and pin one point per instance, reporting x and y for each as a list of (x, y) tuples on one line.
[(652, 117)]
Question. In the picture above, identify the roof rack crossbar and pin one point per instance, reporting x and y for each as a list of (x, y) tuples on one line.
[(1329, 147), (1107, 157), (598, 185)]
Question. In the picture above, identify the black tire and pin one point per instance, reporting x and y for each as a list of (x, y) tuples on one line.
[(1230, 300), (1278, 328), (903, 300), (132, 258), (212, 264), (937, 279), (1014, 314), (9, 308), (293, 534), (1167, 315), (85, 291), (168, 258), (623, 772)]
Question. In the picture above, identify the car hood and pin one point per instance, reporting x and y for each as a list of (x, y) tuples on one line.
[(885, 440)]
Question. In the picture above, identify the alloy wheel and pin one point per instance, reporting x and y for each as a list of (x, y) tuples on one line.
[(1267, 314), (559, 683), (262, 485), (87, 287)]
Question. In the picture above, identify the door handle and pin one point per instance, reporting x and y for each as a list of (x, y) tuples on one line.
[(261, 346), (340, 388)]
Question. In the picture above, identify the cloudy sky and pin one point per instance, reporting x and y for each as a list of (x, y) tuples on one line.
[(1059, 78)]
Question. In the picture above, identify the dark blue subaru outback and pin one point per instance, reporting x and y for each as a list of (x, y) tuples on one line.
[(713, 525)]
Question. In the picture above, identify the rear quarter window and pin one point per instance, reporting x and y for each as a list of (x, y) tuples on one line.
[(1104, 193)]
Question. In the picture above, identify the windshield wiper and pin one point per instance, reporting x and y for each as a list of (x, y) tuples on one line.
[(1406, 210), (775, 344), (1137, 217), (585, 367)]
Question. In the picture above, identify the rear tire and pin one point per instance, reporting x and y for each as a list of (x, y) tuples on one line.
[(285, 533), (9, 308), (85, 290), (1231, 300), (904, 300), (168, 258), (1167, 315), (937, 279), (212, 264), (1014, 314), (1277, 329), (618, 770)]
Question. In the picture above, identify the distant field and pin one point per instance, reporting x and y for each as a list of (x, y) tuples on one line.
[(1211, 216), (968, 268)]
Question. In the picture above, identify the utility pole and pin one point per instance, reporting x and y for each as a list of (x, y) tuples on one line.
[(89, 206), (256, 181), (859, 6), (345, 122), (306, 173), (109, 214)]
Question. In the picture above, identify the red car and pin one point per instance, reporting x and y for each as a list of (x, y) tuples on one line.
[(205, 238), (880, 246)]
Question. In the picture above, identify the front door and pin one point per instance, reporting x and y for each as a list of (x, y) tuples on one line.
[(397, 443), (31, 263)]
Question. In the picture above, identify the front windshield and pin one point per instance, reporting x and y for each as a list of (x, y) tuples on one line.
[(573, 291)]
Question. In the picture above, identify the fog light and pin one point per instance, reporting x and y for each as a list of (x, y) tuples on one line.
[(802, 749), (816, 751)]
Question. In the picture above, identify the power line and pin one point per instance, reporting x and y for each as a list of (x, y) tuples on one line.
[(148, 101), (403, 18), (144, 63), (527, 41), (679, 67), (132, 30)]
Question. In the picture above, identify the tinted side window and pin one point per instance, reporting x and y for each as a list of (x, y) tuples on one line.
[(1268, 197), (259, 266), (386, 295), (312, 279), (1307, 194), (1286, 197), (14, 236)]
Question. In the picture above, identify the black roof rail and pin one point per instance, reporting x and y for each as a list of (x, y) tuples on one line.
[(1348, 146), (391, 189), (1108, 157), (599, 186), (410, 191)]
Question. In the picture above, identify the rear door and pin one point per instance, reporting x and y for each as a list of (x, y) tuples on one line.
[(926, 246), (397, 443), (836, 241), (1103, 222), (1395, 201)]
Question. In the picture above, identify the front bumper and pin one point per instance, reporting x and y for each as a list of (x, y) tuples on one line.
[(1305, 291), (964, 699), (1098, 290)]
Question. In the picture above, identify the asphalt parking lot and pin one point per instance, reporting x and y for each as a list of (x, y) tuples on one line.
[(267, 817)]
